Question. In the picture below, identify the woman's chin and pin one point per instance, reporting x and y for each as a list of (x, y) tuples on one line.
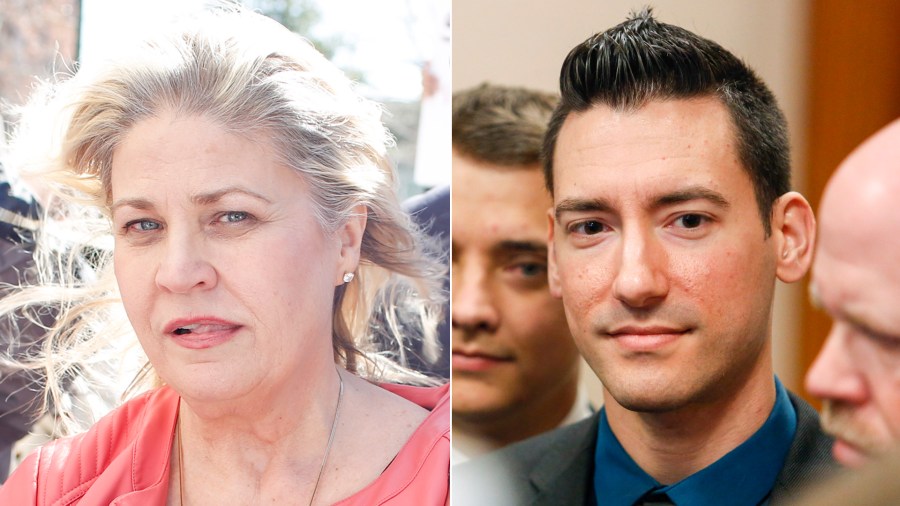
[(210, 387)]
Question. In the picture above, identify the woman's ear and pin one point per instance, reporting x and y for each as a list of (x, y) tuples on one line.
[(350, 235), (794, 233)]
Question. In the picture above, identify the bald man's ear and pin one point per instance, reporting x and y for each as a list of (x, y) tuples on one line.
[(552, 273), (794, 235)]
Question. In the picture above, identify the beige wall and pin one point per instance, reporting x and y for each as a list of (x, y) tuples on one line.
[(523, 42)]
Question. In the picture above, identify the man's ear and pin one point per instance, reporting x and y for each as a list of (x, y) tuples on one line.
[(552, 273), (794, 233), (350, 235)]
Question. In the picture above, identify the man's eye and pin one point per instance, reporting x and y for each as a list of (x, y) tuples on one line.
[(886, 341), (691, 220), (530, 270), (233, 217), (589, 227)]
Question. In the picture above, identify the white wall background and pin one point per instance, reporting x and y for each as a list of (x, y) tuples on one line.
[(523, 42)]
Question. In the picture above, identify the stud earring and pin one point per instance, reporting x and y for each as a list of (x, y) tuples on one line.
[(348, 277)]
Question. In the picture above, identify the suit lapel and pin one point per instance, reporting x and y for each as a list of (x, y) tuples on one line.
[(809, 457), (564, 474)]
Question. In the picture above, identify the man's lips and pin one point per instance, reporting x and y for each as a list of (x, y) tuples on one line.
[(475, 361), (646, 338), (848, 454)]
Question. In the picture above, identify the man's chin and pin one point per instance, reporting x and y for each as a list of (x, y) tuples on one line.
[(641, 402), (849, 455)]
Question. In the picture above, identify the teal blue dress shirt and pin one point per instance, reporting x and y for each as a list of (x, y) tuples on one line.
[(743, 477)]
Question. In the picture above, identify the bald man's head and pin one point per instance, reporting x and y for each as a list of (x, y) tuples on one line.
[(859, 216), (856, 279)]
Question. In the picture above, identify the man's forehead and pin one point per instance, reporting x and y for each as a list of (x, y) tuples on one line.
[(664, 140), (859, 222), (861, 195), (675, 117), (498, 209)]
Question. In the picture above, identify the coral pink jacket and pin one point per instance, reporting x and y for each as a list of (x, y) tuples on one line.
[(123, 460)]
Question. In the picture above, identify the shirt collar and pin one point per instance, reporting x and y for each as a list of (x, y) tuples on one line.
[(745, 475)]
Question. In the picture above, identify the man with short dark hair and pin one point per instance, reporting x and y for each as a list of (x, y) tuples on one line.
[(515, 367), (672, 217)]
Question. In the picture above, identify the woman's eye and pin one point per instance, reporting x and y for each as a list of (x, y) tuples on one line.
[(590, 227), (141, 225), (691, 220), (233, 217)]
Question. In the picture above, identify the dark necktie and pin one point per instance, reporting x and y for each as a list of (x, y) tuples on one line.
[(654, 498)]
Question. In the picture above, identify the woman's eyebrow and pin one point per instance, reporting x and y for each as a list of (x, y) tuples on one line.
[(137, 203), (199, 199), (214, 196)]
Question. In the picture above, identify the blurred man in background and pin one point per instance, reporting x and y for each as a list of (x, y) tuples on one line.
[(515, 367)]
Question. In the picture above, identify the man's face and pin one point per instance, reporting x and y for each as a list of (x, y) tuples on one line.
[(659, 253), (511, 344), (856, 279)]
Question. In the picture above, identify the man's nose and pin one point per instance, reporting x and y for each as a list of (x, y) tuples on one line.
[(473, 307), (834, 375), (642, 277)]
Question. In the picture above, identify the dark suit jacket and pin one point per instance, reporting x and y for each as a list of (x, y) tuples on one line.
[(557, 468)]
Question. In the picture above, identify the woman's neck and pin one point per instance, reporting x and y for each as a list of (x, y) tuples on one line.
[(263, 449)]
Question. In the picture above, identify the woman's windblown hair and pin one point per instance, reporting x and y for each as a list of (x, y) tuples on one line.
[(253, 77)]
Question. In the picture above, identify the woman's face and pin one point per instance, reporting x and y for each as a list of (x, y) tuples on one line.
[(224, 272)]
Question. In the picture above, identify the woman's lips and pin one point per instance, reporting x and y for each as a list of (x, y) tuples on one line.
[(201, 333)]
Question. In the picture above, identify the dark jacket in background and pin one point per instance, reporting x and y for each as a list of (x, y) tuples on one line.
[(18, 390), (431, 212)]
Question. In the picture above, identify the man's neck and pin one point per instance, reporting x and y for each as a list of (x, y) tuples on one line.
[(526, 420), (670, 446)]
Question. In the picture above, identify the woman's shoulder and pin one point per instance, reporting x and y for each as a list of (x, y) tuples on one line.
[(420, 472), (430, 398), (434, 399), (426, 455), (65, 469)]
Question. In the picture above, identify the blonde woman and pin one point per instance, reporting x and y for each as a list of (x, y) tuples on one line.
[(262, 260)]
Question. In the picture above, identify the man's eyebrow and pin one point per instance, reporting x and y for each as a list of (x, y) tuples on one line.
[(581, 205), (521, 247), (860, 324), (691, 193), (852, 319), (683, 195)]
